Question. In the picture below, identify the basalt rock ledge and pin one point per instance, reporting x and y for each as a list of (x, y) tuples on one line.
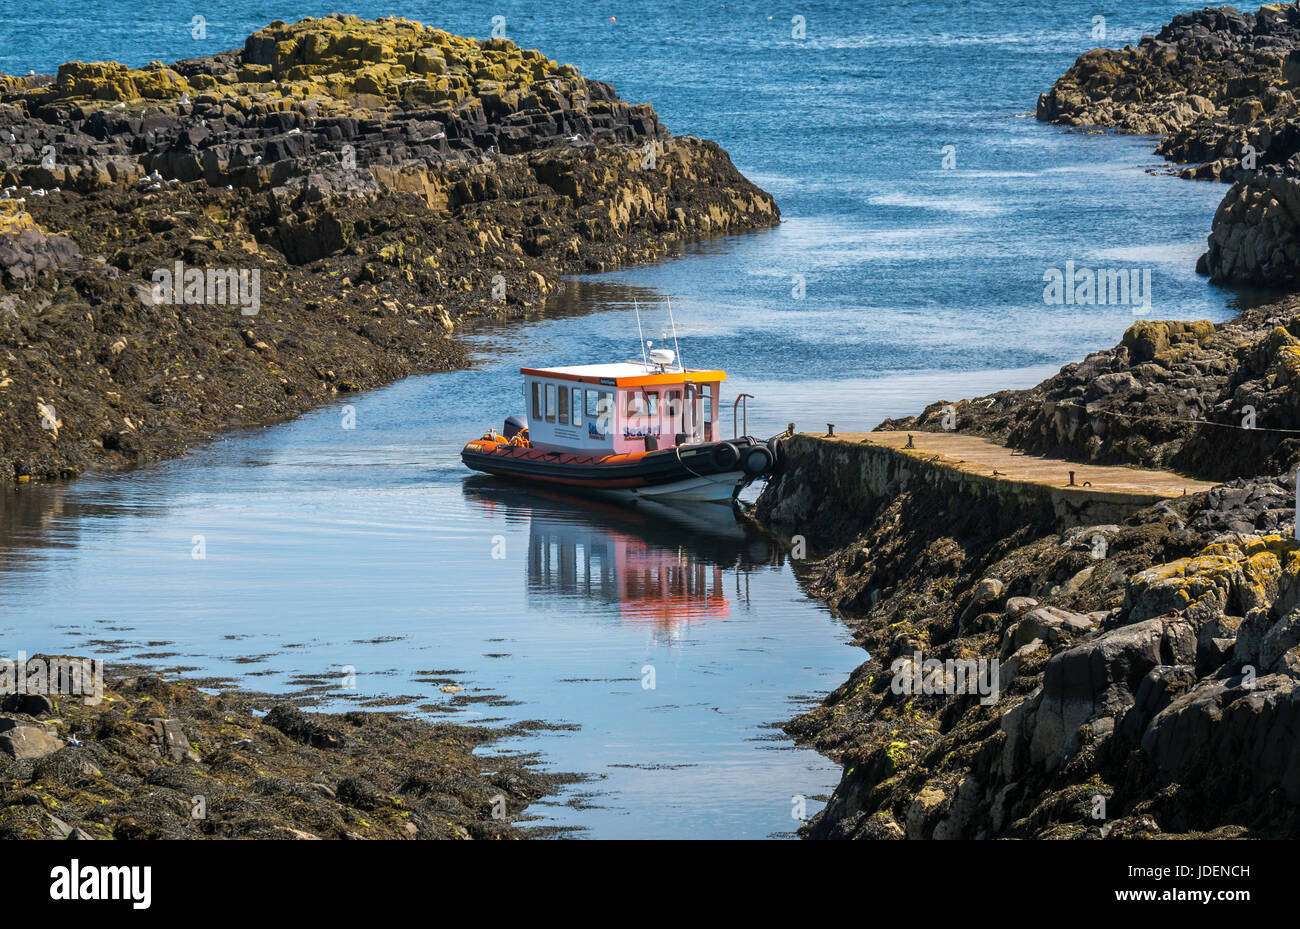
[(1148, 663), (1221, 86), (232, 240)]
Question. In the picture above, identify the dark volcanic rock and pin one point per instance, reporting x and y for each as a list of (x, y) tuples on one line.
[(23, 740), (300, 727), (1217, 401), (26, 256), (290, 775), (1146, 683), (387, 184), (1221, 85), (1148, 669)]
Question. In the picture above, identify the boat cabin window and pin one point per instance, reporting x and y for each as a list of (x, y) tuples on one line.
[(564, 406), (577, 407), (673, 411), (600, 413), (642, 413), (550, 403), (706, 394), (537, 402)]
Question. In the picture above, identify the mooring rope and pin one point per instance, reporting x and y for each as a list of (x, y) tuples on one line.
[(1166, 419)]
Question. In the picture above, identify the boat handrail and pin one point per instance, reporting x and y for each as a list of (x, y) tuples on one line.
[(740, 398)]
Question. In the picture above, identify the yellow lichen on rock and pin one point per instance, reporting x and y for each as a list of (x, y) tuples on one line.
[(13, 218), (1147, 339), (1249, 571), (1284, 349), (339, 63), (108, 80), (398, 60)]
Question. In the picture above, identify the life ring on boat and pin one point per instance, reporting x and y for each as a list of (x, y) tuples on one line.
[(725, 456), (520, 440), (758, 460)]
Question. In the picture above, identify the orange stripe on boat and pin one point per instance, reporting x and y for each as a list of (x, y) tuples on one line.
[(636, 380)]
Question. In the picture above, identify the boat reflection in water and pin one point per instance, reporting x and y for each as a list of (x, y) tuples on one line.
[(657, 563)]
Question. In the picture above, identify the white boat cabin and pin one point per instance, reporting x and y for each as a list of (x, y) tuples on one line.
[(621, 408)]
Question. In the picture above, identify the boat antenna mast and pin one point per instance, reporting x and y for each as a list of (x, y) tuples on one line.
[(639, 334), (677, 349)]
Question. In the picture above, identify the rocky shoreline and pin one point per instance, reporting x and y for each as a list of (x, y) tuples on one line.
[(1145, 673), (1148, 667), (1221, 86), (349, 193), (159, 759), (231, 241)]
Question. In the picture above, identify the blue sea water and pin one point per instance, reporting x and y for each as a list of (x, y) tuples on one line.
[(922, 206)]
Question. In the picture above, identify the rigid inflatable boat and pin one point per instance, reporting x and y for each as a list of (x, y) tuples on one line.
[(633, 429)]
